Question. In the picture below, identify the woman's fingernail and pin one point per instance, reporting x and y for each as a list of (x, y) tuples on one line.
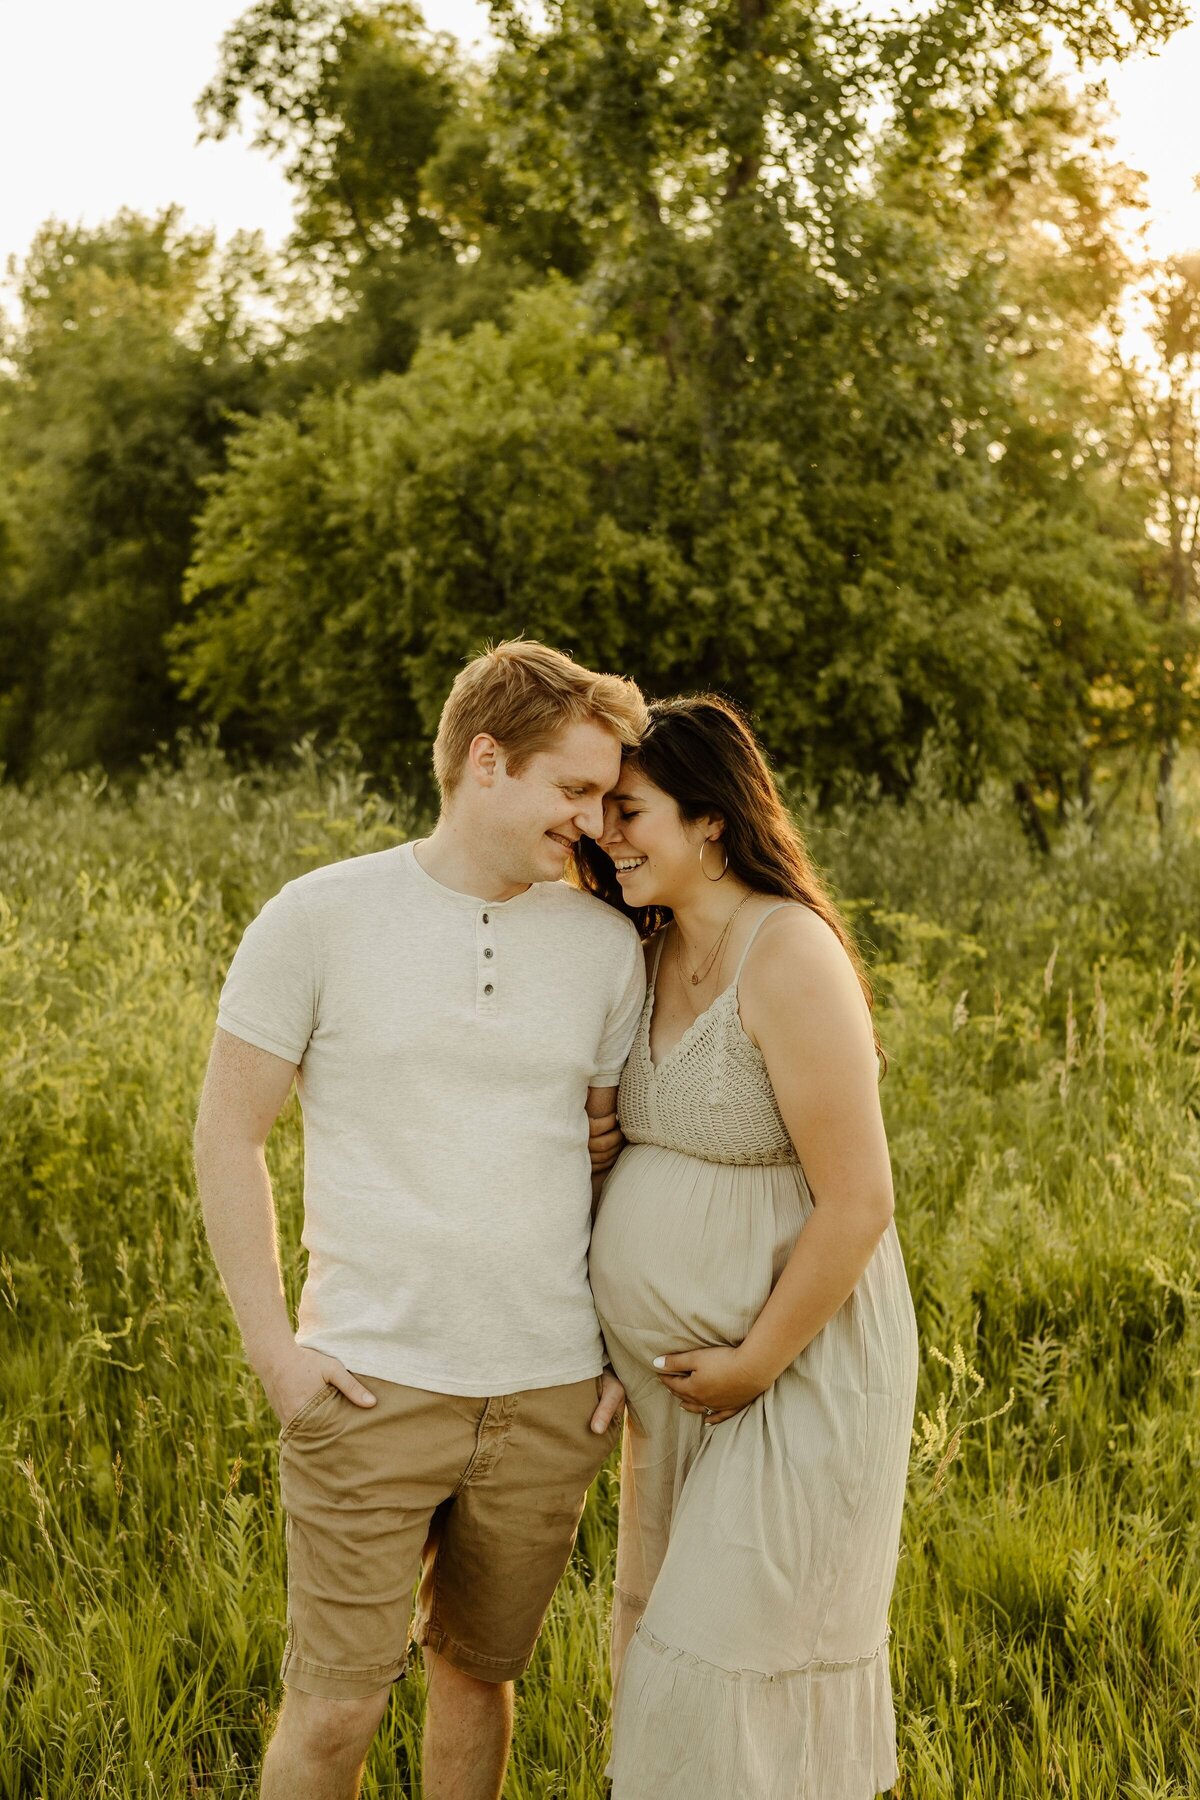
[(660, 1362)]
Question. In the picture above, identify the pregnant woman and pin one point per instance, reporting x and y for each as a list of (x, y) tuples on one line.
[(752, 1294)]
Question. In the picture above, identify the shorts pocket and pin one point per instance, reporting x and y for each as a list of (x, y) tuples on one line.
[(310, 1406)]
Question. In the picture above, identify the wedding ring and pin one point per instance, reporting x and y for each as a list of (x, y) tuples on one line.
[(709, 1409)]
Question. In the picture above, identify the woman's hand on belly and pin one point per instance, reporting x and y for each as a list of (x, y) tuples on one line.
[(714, 1382)]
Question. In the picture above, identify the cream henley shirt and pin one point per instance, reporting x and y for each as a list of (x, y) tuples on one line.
[(445, 1046)]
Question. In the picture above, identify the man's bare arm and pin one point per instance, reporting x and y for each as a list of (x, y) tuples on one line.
[(244, 1092)]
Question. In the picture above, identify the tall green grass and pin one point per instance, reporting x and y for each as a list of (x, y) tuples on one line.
[(1043, 1101)]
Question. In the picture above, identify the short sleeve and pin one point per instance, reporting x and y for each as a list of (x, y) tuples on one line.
[(270, 994), (621, 1025)]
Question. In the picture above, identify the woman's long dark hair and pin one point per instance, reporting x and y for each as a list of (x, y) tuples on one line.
[(700, 750)]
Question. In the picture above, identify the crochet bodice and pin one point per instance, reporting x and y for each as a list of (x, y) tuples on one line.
[(710, 1095)]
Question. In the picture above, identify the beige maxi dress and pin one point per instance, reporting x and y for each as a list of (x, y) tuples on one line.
[(755, 1559)]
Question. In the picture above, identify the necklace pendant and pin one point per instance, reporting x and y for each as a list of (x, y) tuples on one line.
[(695, 981)]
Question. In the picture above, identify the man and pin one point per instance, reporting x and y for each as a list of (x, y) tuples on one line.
[(452, 1013)]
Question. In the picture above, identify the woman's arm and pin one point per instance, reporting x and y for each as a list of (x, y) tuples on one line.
[(601, 1108), (606, 1140), (802, 1004)]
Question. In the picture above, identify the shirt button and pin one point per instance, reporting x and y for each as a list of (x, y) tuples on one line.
[(489, 989), (488, 951), (485, 918)]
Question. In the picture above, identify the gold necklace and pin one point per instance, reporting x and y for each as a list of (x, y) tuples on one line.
[(703, 968)]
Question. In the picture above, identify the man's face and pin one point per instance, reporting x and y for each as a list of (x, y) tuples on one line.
[(540, 814)]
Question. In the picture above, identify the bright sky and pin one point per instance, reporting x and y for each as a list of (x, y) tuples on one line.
[(96, 112), (1157, 101)]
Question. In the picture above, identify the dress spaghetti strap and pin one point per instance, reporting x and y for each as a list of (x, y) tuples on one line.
[(658, 950), (749, 945)]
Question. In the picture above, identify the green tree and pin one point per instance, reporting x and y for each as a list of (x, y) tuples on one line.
[(406, 218), (1159, 392), (546, 479), (348, 560), (706, 150), (1038, 204), (786, 384), (14, 660), (908, 316), (132, 350)]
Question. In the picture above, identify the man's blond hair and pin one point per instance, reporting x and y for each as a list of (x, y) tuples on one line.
[(523, 694)]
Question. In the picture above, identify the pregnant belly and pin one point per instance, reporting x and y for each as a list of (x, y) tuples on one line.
[(688, 1249)]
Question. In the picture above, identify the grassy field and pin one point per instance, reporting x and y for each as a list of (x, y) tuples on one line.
[(1041, 1022)]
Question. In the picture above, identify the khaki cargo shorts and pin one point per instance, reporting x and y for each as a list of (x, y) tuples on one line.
[(478, 1498)]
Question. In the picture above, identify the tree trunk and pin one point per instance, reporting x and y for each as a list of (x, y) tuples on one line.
[(1031, 818), (1060, 788), (1087, 797), (1163, 794)]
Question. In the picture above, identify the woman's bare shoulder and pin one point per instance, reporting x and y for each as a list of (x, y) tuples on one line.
[(797, 955)]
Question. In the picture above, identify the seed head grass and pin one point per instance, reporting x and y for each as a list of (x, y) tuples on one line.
[(1043, 1108)]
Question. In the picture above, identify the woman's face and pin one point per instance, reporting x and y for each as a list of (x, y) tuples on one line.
[(655, 853)]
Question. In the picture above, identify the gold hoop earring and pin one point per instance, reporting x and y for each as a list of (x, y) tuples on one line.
[(704, 843)]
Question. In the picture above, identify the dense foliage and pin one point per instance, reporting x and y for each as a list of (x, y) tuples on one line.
[(131, 356), (768, 347), (1042, 1104)]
